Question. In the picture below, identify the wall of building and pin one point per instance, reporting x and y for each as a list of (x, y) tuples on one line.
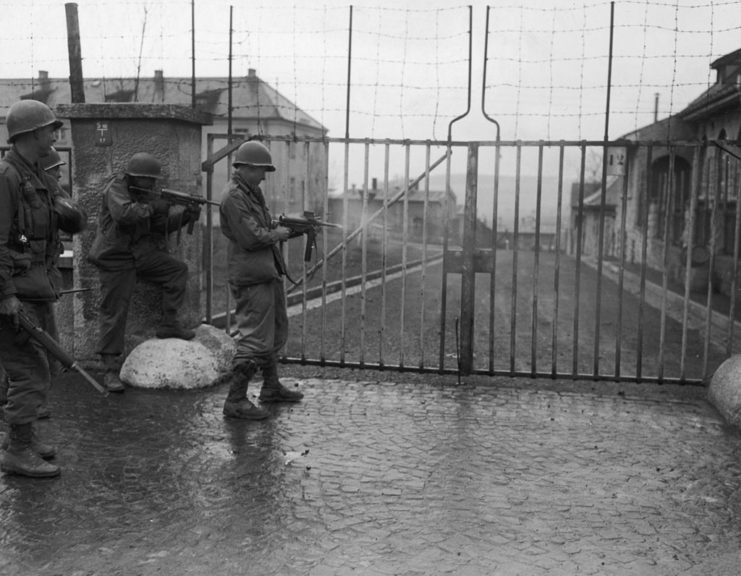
[(103, 137)]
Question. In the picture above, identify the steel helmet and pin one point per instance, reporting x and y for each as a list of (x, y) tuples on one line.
[(29, 115), (144, 165), (253, 153), (52, 160)]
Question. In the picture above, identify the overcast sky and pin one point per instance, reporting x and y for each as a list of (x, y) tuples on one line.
[(546, 74), (547, 66)]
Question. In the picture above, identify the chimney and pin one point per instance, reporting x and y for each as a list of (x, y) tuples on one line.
[(251, 74), (159, 86), (43, 79)]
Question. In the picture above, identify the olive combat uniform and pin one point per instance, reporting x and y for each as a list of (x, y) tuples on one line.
[(30, 218), (130, 245), (256, 270)]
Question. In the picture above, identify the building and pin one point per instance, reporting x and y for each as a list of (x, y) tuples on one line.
[(700, 167), (258, 109), (420, 208)]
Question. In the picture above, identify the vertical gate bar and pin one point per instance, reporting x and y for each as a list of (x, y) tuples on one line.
[(515, 241), (689, 245), (343, 281), (668, 205), (577, 280), (468, 272), (600, 262), (446, 239), (208, 244), (322, 342), (423, 271), (603, 198), (492, 273), (536, 265), (711, 264), (364, 254), (733, 183), (644, 263), (404, 240), (384, 249), (621, 273), (304, 282), (557, 268)]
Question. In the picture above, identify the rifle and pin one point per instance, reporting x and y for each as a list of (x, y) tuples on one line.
[(53, 347), (308, 225)]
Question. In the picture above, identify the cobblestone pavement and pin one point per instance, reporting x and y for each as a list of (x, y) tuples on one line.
[(410, 477)]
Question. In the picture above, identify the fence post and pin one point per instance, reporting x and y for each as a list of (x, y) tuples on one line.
[(468, 280)]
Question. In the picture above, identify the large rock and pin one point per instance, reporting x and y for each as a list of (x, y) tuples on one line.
[(725, 390), (182, 364)]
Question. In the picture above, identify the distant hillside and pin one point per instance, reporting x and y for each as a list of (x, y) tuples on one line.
[(506, 204)]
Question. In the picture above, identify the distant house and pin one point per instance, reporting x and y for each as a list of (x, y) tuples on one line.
[(658, 193), (257, 109), (421, 209)]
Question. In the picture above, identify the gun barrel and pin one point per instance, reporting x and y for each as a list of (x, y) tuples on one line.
[(185, 197), (53, 347)]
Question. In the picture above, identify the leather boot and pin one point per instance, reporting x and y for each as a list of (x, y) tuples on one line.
[(46, 451), (171, 328), (273, 390), (236, 404), (111, 379), (20, 458)]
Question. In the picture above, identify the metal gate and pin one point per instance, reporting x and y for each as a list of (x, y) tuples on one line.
[(584, 260)]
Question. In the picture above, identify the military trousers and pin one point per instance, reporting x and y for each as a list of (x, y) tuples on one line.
[(262, 321), (117, 287), (26, 363)]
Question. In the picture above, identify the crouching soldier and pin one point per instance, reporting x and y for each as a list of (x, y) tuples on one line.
[(131, 244), (256, 270), (32, 211)]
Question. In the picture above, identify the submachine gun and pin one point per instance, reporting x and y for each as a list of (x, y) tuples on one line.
[(308, 225), (53, 347), (180, 198)]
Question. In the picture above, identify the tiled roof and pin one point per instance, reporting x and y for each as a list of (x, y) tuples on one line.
[(251, 97)]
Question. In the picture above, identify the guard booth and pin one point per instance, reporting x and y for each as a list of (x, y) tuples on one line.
[(101, 139)]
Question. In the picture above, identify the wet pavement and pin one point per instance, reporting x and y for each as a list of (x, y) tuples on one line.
[(417, 476)]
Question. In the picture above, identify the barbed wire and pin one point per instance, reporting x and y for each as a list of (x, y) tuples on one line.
[(547, 63)]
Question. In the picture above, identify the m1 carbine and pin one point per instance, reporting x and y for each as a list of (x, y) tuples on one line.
[(53, 347), (308, 225)]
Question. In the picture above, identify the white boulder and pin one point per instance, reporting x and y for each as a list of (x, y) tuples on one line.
[(725, 390), (180, 364)]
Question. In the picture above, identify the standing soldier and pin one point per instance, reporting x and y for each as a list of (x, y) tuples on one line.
[(131, 244), (256, 270), (31, 213)]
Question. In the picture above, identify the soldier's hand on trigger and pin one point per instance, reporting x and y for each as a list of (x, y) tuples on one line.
[(9, 308), (193, 211), (283, 233)]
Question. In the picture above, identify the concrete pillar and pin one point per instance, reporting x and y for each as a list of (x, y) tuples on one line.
[(103, 137)]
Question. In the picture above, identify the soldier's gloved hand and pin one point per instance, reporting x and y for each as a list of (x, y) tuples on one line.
[(9, 308), (283, 233), (193, 212)]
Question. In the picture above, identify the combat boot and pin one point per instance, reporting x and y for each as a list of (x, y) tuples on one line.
[(20, 458), (236, 404), (273, 390), (46, 451), (111, 379), (173, 329)]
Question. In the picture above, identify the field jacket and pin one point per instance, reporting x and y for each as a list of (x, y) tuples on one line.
[(253, 254), (29, 237), (130, 227)]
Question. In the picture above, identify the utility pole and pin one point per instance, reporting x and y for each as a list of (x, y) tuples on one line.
[(77, 87)]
